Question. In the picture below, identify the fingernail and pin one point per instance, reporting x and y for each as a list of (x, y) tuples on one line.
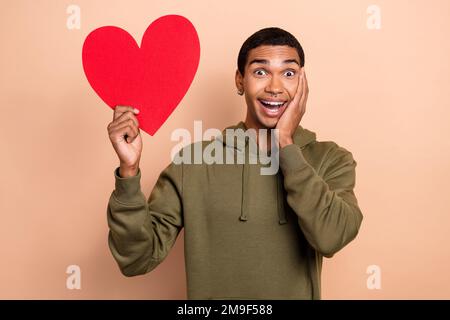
[(136, 110)]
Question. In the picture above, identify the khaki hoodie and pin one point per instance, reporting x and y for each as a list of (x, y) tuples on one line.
[(246, 235)]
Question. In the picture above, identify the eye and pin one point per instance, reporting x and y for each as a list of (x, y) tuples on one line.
[(290, 73), (260, 72)]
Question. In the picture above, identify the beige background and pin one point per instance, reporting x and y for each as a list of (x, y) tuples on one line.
[(382, 94)]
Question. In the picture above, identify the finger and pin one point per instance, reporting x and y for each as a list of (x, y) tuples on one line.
[(136, 132), (126, 131), (125, 116), (120, 124), (119, 110), (299, 88), (305, 94), (305, 89)]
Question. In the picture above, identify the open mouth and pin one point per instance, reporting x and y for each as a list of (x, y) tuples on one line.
[(272, 108)]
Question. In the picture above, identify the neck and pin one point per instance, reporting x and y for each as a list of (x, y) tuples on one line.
[(251, 124)]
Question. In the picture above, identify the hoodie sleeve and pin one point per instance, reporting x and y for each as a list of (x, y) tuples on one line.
[(141, 232), (327, 209)]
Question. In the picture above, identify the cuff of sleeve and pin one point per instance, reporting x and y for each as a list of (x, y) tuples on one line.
[(127, 190), (291, 158)]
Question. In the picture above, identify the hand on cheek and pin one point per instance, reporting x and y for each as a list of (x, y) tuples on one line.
[(290, 119)]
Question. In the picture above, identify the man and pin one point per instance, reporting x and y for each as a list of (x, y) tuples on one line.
[(247, 235)]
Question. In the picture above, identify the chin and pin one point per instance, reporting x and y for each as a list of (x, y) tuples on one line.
[(269, 123)]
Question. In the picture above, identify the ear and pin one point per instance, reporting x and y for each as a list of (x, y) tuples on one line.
[(239, 79)]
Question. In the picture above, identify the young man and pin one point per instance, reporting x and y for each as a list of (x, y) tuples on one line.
[(247, 235)]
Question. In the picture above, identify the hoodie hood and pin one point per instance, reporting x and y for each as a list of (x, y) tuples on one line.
[(302, 137)]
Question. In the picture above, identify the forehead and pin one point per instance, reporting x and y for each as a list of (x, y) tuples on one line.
[(274, 54)]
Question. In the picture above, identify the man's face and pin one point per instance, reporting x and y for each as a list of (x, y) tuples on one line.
[(270, 81)]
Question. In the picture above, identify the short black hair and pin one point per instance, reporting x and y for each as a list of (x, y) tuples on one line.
[(268, 36)]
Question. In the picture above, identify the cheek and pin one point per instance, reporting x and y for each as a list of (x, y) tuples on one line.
[(254, 86), (291, 89)]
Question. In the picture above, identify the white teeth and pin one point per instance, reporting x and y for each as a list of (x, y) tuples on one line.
[(273, 103)]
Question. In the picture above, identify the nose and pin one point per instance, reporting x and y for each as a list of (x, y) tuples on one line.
[(274, 86)]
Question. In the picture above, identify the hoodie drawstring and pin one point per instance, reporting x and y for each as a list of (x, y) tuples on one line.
[(244, 211), (244, 197), (280, 200)]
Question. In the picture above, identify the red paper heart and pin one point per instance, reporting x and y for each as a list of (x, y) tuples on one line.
[(153, 78)]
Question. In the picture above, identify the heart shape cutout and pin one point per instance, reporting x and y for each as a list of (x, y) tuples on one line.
[(154, 77)]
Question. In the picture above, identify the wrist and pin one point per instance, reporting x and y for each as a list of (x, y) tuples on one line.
[(285, 141), (128, 171)]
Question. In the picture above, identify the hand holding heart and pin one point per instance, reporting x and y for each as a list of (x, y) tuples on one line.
[(126, 139), (152, 78)]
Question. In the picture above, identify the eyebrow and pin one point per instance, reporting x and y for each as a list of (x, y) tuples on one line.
[(264, 61)]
